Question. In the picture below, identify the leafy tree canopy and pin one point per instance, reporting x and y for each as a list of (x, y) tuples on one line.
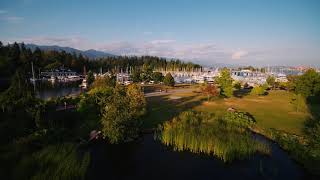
[(308, 84)]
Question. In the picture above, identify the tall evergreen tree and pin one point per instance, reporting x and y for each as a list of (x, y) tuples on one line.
[(225, 83)]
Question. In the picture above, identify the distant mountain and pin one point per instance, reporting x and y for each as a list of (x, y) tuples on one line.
[(91, 53)]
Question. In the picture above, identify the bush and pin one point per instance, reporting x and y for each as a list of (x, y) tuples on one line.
[(243, 119), (237, 85), (258, 91), (168, 80)]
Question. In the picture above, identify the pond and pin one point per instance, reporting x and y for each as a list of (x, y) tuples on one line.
[(149, 159)]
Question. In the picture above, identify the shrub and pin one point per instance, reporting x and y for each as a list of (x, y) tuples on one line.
[(258, 91), (243, 119)]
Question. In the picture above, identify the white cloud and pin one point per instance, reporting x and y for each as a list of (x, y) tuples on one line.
[(239, 54), (3, 11), (69, 41), (208, 53), (147, 33), (5, 16), (12, 19), (163, 41)]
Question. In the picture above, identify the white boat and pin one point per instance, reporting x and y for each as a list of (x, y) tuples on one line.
[(84, 84), (52, 79), (33, 80)]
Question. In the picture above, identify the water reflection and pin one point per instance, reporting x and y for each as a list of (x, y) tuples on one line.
[(47, 90), (149, 159)]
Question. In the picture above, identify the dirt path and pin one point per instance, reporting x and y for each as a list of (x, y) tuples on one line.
[(170, 91)]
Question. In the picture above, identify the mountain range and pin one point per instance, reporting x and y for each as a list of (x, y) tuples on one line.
[(91, 53)]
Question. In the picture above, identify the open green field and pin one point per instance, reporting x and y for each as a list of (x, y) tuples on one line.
[(272, 111)]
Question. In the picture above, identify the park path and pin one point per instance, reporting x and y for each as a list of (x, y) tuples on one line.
[(170, 91)]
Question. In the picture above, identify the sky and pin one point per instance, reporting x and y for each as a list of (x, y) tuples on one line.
[(241, 32)]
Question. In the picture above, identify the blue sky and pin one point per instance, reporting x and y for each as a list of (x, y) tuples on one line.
[(258, 32)]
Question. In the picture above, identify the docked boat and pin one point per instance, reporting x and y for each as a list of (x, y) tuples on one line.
[(84, 84), (52, 79)]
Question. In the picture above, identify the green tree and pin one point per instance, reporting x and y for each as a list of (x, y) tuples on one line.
[(121, 116), (157, 77), (308, 84), (20, 110), (237, 85), (146, 73), (228, 91), (291, 85), (135, 76), (168, 80), (90, 78), (271, 81), (106, 81), (137, 100), (225, 82)]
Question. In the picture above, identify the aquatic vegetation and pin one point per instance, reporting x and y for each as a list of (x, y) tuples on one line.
[(201, 132)]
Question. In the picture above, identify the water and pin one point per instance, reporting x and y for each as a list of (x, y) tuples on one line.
[(149, 159), (47, 90)]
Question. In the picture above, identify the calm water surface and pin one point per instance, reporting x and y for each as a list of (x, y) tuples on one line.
[(149, 159), (47, 90)]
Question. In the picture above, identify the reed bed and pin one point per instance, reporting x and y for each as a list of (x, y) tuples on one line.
[(201, 132)]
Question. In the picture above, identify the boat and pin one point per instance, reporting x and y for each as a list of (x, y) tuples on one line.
[(52, 79), (84, 84), (33, 79)]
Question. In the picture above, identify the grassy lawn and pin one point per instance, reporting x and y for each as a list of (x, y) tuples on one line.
[(271, 111), (165, 107)]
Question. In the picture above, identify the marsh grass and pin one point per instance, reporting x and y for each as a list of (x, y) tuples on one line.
[(62, 161), (201, 132)]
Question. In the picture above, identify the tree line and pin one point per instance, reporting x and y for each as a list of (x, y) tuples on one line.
[(13, 56)]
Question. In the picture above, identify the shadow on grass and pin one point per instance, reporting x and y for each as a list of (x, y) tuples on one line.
[(162, 108), (242, 92), (314, 106), (310, 126)]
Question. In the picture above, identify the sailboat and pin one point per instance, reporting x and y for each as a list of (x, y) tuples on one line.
[(52, 79), (33, 79), (84, 83)]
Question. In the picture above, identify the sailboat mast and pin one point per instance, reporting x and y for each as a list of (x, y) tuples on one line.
[(32, 70), (33, 79)]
